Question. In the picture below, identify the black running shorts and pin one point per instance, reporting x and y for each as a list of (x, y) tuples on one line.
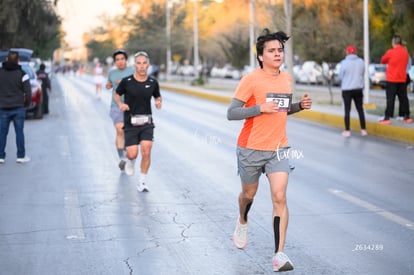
[(134, 134)]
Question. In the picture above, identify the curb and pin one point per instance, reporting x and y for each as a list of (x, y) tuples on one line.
[(189, 91), (374, 129)]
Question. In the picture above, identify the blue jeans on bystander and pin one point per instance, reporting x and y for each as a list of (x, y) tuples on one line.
[(17, 115)]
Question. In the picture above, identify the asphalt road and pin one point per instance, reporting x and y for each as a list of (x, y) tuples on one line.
[(71, 211)]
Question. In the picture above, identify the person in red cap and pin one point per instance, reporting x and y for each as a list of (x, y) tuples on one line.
[(351, 49), (351, 75), (397, 59)]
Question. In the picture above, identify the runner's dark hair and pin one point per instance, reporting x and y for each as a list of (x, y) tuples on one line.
[(268, 36), (397, 39), (120, 51)]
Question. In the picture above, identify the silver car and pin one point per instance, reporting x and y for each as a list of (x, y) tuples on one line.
[(310, 73), (377, 74)]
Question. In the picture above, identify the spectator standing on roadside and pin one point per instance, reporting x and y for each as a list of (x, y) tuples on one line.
[(46, 87), (98, 78), (114, 78), (15, 94), (138, 89), (397, 60), (351, 74), (263, 100)]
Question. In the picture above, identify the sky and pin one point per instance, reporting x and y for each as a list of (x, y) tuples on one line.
[(80, 16)]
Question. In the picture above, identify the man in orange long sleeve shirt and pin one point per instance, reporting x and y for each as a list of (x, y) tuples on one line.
[(396, 74)]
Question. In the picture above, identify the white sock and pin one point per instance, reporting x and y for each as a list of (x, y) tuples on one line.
[(142, 178)]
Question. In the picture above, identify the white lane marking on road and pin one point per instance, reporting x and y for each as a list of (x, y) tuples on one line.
[(73, 216), (373, 208)]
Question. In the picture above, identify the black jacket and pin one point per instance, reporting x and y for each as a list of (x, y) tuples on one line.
[(15, 89), (44, 77)]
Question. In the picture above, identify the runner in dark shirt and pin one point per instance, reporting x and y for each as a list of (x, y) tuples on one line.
[(138, 122)]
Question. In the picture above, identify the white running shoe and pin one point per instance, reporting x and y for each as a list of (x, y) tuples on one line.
[(142, 187), (23, 160), (2, 161), (281, 262), (130, 167), (364, 133), (240, 235), (346, 133)]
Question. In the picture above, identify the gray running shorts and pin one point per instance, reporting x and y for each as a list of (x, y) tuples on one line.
[(134, 135), (116, 114), (252, 163)]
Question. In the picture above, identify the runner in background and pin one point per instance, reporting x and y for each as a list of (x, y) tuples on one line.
[(98, 79), (115, 76)]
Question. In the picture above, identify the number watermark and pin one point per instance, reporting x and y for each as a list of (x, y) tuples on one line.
[(368, 247)]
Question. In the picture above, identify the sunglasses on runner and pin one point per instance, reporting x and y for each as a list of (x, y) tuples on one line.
[(141, 53)]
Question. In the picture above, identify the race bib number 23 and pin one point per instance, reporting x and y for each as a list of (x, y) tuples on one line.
[(283, 100)]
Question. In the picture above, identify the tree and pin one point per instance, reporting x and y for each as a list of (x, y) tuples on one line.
[(29, 24), (320, 29), (235, 46), (148, 32), (323, 29), (99, 46), (143, 28), (223, 32), (388, 18)]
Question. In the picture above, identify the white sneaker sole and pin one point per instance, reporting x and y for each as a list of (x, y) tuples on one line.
[(142, 189), (22, 160)]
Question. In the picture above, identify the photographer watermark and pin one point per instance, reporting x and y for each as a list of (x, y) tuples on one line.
[(288, 153), (203, 138)]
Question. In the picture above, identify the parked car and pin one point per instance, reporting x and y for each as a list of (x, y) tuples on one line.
[(25, 55), (335, 76), (227, 71), (310, 73), (246, 70), (296, 70), (36, 105), (377, 74), (232, 73)]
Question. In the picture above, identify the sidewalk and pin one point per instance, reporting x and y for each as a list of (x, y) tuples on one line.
[(321, 113)]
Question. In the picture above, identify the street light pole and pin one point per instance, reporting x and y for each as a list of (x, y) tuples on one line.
[(196, 39), (196, 53), (288, 7), (251, 34), (168, 33), (366, 52)]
